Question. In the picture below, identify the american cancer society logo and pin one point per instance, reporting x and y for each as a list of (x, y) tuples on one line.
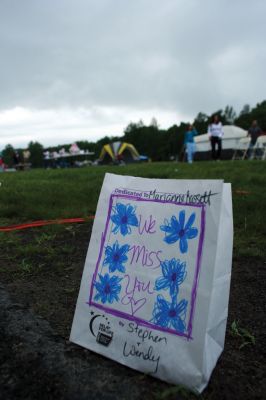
[(100, 328)]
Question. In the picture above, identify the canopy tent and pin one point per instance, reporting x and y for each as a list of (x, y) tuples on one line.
[(232, 134), (62, 159), (74, 149), (230, 139), (119, 151)]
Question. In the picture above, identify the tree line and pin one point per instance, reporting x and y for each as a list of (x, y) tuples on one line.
[(158, 144)]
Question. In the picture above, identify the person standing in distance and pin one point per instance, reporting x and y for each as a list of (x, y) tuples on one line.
[(254, 132), (215, 132), (189, 143)]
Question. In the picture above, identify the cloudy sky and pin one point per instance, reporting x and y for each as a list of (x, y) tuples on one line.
[(83, 69)]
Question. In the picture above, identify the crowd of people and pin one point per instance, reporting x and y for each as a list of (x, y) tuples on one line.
[(19, 161)]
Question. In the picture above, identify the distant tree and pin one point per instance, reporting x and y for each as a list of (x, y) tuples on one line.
[(85, 145), (244, 121), (201, 123), (103, 141), (201, 117), (132, 126), (229, 115), (134, 134), (36, 154), (148, 140), (115, 139), (140, 124), (154, 123), (245, 110), (176, 140), (8, 154), (257, 113)]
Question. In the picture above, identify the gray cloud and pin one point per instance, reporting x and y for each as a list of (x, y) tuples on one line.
[(177, 55)]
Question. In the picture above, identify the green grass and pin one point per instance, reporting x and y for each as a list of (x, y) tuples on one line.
[(245, 336), (174, 391), (50, 194)]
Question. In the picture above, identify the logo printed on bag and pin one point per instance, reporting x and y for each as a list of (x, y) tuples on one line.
[(100, 323)]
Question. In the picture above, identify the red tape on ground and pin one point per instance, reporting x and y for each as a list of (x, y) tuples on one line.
[(43, 223)]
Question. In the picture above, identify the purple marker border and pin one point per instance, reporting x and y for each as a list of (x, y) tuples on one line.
[(129, 317)]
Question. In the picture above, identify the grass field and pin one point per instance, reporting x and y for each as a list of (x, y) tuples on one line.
[(49, 194), (41, 268)]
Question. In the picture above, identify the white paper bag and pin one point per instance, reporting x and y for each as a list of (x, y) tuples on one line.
[(155, 287)]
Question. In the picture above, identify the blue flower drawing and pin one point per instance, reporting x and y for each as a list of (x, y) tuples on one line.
[(116, 256), (108, 288), (124, 217), (174, 273), (170, 315), (177, 230)]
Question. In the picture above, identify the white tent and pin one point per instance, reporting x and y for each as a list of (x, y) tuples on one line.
[(232, 134)]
